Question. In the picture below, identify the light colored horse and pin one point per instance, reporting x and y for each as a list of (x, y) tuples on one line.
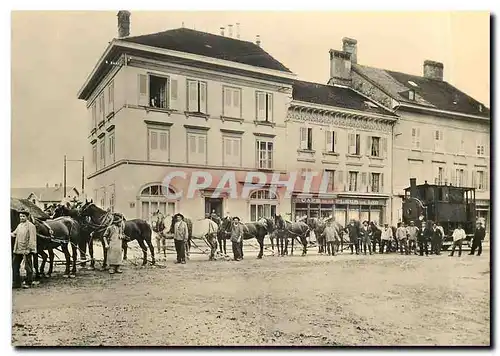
[(206, 230)]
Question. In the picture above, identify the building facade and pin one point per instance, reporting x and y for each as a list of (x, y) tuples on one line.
[(171, 101), (346, 137), (442, 135)]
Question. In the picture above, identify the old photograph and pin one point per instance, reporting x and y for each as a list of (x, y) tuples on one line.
[(250, 178)]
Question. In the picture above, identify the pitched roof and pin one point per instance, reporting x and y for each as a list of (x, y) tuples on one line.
[(429, 93), (337, 96), (44, 194), (210, 45)]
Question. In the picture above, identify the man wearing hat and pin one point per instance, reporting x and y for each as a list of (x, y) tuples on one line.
[(113, 237), (366, 235), (237, 239), (180, 238), (385, 238), (24, 249)]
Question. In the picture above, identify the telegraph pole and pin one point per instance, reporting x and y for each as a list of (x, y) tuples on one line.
[(83, 175), (64, 178)]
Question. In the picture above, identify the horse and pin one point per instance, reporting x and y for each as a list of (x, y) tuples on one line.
[(85, 232), (59, 232), (294, 230), (224, 231), (136, 229), (257, 230), (318, 227), (207, 230)]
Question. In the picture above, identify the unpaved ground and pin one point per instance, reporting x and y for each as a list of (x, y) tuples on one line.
[(313, 300)]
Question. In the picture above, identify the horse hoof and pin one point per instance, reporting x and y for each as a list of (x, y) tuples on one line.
[(259, 257), (65, 276), (72, 276)]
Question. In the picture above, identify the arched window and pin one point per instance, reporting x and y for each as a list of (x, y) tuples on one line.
[(154, 197), (262, 204)]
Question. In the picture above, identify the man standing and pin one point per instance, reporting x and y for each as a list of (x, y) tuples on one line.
[(113, 236), (24, 249), (413, 232), (402, 237), (237, 238), (180, 238), (458, 237), (477, 241), (423, 239), (386, 238), (436, 240), (366, 237), (354, 233)]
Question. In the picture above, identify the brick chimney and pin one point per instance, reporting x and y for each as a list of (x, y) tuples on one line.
[(350, 45), (340, 67), (123, 23), (433, 70)]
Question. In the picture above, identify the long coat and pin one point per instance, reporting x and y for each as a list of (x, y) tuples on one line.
[(331, 234), (114, 236)]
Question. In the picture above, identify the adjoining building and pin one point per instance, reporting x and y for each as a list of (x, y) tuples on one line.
[(43, 197), (337, 131), (442, 135)]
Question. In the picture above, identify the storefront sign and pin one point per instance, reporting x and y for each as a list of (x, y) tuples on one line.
[(483, 202), (314, 201), (359, 202)]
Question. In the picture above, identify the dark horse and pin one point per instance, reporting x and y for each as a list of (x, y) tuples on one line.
[(318, 226), (136, 229), (259, 230), (295, 230), (85, 232), (223, 233)]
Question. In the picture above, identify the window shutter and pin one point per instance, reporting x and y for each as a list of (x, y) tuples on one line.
[(309, 138), (154, 140), (192, 144), (328, 141), (453, 177), (363, 182), (163, 141), (351, 144), (227, 102), (381, 182), (368, 145), (303, 138), (486, 177), (203, 97), (466, 176), (192, 96), (384, 147), (358, 182), (227, 144), (474, 179), (142, 80), (414, 137), (236, 100), (269, 107), (261, 106), (339, 181), (201, 144), (174, 93), (236, 151), (369, 187), (334, 147)]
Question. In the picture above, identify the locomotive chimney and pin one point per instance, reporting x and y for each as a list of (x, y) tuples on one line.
[(413, 187)]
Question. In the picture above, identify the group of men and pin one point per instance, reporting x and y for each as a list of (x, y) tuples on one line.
[(433, 233), (365, 237)]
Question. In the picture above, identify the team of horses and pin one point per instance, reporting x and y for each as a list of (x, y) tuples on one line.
[(72, 228)]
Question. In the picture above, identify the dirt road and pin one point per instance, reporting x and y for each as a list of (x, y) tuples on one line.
[(312, 300)]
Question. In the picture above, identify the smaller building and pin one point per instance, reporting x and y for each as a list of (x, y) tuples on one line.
[(43, 197)]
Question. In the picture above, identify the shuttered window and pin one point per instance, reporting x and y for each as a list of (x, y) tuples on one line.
[(264, 105), (232, 102)]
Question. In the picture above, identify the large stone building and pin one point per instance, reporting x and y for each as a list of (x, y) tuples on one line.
[(182, 99), (442, 135)]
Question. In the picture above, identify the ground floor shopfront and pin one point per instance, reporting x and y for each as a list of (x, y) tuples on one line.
[(343, 208)]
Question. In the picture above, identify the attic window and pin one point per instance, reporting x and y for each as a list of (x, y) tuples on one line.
[(411, 95), (480, 108), (413, 84)]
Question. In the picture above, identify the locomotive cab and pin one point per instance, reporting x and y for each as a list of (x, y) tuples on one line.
[(446, 204)]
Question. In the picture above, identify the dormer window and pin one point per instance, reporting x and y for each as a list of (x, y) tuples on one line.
[(480, 108), (411, 95)]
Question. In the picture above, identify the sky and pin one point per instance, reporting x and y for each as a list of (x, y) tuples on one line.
[(54, 51)]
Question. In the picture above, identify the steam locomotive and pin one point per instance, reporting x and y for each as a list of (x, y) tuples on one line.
[(445, 204)]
